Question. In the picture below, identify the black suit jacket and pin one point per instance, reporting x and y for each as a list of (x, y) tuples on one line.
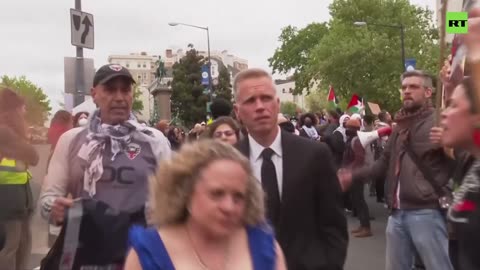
[(312, 230)]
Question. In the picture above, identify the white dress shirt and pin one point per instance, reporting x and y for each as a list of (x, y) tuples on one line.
[(256, 159)]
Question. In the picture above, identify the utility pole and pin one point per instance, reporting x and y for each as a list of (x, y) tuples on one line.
[(80, 91)]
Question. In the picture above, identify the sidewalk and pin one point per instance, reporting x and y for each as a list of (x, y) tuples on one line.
[(39, 226)]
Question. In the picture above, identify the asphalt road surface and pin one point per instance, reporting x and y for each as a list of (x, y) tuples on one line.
[(363, 253), (368, 253)]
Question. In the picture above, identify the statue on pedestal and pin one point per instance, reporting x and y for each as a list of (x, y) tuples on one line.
[(161, 93), (161, 71)]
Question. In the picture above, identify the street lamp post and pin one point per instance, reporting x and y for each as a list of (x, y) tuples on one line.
[(402, 35), (208, 52)]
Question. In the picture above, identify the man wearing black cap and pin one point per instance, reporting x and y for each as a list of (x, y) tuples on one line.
[(110, 159), (113, 93)]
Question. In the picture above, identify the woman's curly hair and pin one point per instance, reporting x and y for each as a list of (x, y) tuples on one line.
[(309, 115), (172, 186), (10, 102)]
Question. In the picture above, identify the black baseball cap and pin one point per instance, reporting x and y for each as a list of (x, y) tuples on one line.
[(110, 71)]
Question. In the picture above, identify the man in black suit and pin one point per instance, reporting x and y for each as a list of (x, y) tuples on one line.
[(298, 175)]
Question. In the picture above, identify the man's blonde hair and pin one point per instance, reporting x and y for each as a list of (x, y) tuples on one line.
[(249, 74), (173, 185)]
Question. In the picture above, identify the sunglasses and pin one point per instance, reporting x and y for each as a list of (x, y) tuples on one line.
[(227, 133)]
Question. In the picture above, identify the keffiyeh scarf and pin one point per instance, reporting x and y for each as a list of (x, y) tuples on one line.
[(311, 132), (461, 203), (92, 150), (341, 128)]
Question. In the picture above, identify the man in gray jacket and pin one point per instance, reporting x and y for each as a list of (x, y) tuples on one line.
[(111, 159), (416, 222)]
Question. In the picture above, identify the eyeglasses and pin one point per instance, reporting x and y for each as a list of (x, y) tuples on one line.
[(227, 133)]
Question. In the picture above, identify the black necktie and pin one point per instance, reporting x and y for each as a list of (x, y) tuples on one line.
[(270, 186)]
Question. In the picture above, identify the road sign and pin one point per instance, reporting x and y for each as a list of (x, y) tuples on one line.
[(82, 29), (205, 79), (70, 69), (410, 64)]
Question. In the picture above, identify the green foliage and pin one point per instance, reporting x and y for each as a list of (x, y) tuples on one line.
[(288, 108), (295, 50), (37, 103), (188, 100), (224, 88), (317, 100), (154, 117), (367, 60), (137, 105)]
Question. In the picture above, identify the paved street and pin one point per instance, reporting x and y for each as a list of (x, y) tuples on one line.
[(368, 253), (39, 225), (363, 254)]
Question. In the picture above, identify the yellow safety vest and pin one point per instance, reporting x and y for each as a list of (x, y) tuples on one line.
[(11, 174)]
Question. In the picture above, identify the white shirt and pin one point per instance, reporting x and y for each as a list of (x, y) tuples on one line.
[(256, 159)]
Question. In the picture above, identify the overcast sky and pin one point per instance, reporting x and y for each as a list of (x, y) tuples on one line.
[(36, 34)]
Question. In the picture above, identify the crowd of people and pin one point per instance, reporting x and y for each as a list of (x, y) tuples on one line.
[(253, 189)]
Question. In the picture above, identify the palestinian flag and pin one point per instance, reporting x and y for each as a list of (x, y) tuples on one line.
[(456, 43), (355, 105), (332, 99)]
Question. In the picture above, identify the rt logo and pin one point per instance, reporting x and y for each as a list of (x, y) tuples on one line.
[(457, 22)]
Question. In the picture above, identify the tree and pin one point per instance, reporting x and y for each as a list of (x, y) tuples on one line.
[(188, 98), (288, 108), (367, 60), (224, 88), (137, 105), (295, 51), (37, 103), (317, 100)]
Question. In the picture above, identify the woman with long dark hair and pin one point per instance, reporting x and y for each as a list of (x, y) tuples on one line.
[(173, 136), (457, 126), (61, 122), (15, 193)]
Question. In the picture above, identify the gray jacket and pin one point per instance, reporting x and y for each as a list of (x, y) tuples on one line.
[(124, 182), (416, 192)]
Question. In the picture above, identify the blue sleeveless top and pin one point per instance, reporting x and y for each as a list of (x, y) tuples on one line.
[(153, 254)]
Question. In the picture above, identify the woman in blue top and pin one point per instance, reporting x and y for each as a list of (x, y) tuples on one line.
[(209, 214)]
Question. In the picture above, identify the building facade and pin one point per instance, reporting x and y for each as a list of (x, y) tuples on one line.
[(284, 89), (143, 67), (233, 63), (452, 5)]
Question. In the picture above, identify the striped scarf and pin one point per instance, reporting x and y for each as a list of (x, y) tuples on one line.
[(93, 149)]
